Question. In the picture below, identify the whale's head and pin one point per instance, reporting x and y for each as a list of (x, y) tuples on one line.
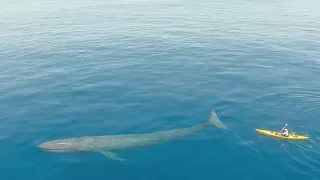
[(64, 145)]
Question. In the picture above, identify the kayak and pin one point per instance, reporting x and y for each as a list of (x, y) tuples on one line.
[(277, 134)]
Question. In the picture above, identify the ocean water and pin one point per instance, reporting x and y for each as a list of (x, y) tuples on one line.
[(77, 68)]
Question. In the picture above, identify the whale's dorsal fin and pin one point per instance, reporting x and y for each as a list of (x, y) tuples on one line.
[(111, 155)]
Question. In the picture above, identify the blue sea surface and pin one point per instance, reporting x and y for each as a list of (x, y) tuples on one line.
[(83, 68)]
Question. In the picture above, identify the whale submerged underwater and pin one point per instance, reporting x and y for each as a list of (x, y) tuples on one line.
[(109, 144)]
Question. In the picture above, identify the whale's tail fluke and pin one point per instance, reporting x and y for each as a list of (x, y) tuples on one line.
[(215, 121)]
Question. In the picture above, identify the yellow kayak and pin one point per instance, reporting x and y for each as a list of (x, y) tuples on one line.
[(276, 134)]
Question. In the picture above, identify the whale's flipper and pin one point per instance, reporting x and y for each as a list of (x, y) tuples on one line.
[(112, 155)]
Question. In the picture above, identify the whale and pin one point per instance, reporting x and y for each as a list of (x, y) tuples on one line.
[(109, 145)]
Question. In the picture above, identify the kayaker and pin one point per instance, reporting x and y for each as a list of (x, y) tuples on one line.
[(285, 133)]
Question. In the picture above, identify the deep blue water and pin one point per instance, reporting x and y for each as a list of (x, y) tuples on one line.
[(77, 68)]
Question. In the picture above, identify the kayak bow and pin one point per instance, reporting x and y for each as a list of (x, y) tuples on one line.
[(277, 134)]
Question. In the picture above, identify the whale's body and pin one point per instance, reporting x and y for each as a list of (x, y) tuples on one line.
[(109, 144)]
